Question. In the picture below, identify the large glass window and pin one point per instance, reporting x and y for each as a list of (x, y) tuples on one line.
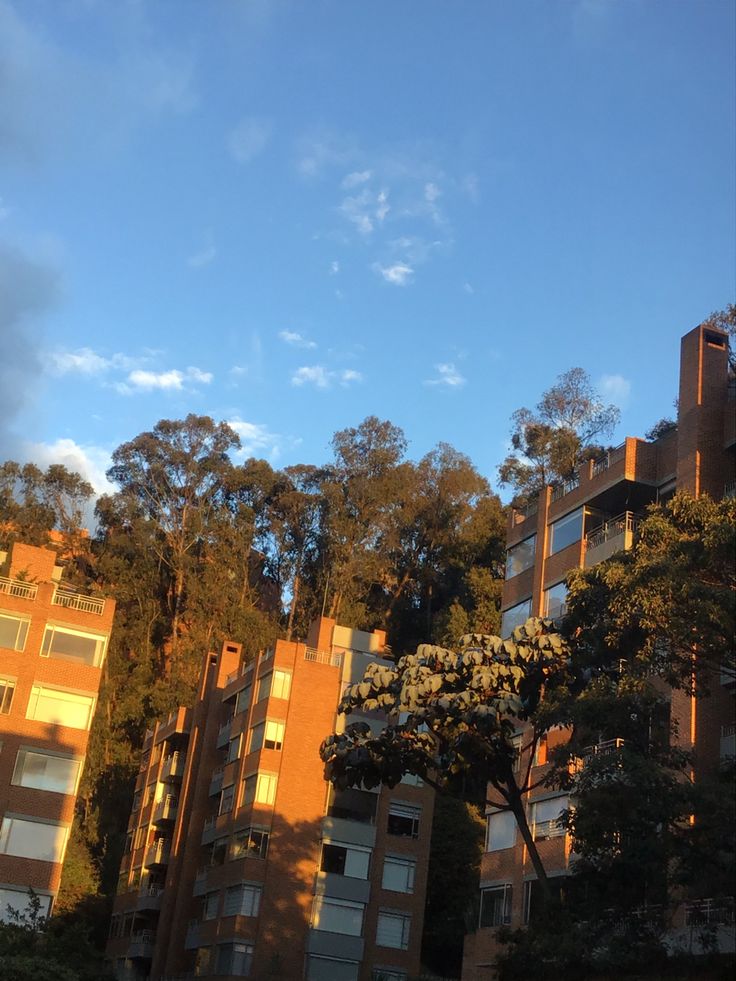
[(73, 645), (227, 796), (209, 905), (495, 906), (233, 749), (19, 900), (7, 690), (28, 838), (243, 700), (398, 873), (250, 843), (403, 819), (44, 772), (331, 969), (546, 817), (555, 601), (515, 616), (242, 900), (259, 788), (349, 860), (520, 557), (275, 684), (501, 831), (565, 531), (13, 631), (236, 958), (269, 734), (63, 708), (392, 929), (338, 916)]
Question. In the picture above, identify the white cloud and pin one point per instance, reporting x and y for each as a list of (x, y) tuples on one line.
[(254, 437), (89, 461), (431, 192), (141, 380), (356, 178), (85, 361), (383, 207), (321, 377), (248, 139), (447, 375), (399, 274), (334, 267), (295, 339), (617, 388)]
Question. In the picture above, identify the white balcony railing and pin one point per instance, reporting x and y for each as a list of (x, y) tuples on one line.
[(323, 657), (76, 601), (17, 588)]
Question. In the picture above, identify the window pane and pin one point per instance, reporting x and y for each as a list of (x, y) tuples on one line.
[(274, 735), (27, 838), (393, 930), (495, 906), (242, 900), (338, 916), (566, 531), (60, 707), (331, 969), (256, 737), (56, 773), (264, 686), (281, 684), (266, 788), (243, 700), (209, 907), (545, 817), (403, 820), (20, 901), (398, 874), (555, 600), (72, 645), (7, 689), (501, 830), (515, 616), (13, 632), (520, 557)]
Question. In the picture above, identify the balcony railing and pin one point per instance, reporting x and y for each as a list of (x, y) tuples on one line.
[(173, 765), (18, 588), (76, 601), (613, 528), (608, 459), (166, 808), (606, 748), (729, 489), (560, 490), (158, 853), (710, 911), (323, 657)]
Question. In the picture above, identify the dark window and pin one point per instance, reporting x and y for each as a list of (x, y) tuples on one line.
[(495, 906), (403, 820)]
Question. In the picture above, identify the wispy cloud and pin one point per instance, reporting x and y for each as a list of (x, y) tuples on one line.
[(85, 361), (616, 388), (254, 437), (249, 138), (295, 339), (334, 267), (357, 177), (321, 377), (398, 274), (447, 376), (206, 255), (173, 380), (316, 153)]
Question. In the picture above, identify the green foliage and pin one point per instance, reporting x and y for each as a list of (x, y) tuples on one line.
[(549, 442), (33, 502)]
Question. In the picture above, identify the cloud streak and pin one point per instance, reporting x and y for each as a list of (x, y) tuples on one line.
[(323, 378), (447, 376), (295, 339), (173, 380)]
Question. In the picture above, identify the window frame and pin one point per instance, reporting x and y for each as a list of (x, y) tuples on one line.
[(24, 751), (561, 522), (505, 816), (52, 628), (52, 691), (394, 811), (394, 914), (506, 896), (510, 552), (407, 862), (23, 626)]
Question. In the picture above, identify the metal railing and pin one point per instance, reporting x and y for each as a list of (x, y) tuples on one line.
[(18, 588), (549, 829), (729, 730), (613, 528), (729, 489), (715, 911), (143, 937), (76, 601), (158, 853), (560, 490), (608, 459), (323, 657)]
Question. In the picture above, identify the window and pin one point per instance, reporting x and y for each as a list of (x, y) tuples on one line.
[(565, 531), (226, 799), (403, 820), (137, 798), (61, 708), (349, 860), (501, 831), (140, 838), (42, 771), (545, 818), (392, 929), (233, 749), (540, 752), (218, 851), (20, 901), (243, 700), (259, 788), (242, 900), (209, 905), (268, 734), (353, 805), (388, 974), (515, 616), (520, 557), (202, 962), (276, 684), (30, 838), (73, 645), (235, 959), (331, 969), (7, 690), (398, 873), (555, 601), (495, 906), (337, 916), (533, 901), (13, 631), (250, 843)]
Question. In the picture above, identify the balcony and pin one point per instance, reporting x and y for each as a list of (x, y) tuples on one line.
[(158, 853), (560, 490), (173, 766), (608, 459), (715, 912), (608, 747), (729, 489), (18, 588), (323, 657), (614, 535), (728, 740), (76, 601), (149, 897), (166, 809), (142, 944)]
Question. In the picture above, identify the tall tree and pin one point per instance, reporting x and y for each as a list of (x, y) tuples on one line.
[(548, 442)]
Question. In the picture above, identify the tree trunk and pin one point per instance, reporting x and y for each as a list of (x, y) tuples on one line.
[(292, 606), (518, 810)]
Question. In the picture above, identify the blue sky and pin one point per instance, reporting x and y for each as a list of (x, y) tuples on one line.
[(290, 215)]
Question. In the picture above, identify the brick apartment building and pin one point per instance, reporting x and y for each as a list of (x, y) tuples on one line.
[(53, 640), (241, 861), (579, 524)]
